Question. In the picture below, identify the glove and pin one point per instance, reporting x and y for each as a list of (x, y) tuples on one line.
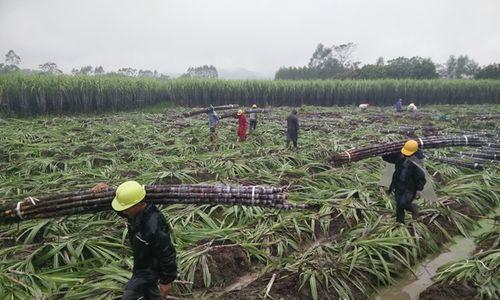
[(99, 187)]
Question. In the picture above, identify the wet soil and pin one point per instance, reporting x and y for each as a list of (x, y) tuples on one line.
[(421, 288), (455, 291), (285, 284), (286, 287), (225, 263)]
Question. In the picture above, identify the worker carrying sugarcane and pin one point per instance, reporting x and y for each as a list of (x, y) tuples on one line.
[(399, 105), (149, 237), (213, 123), (408, 179), (253, 118), (363, 106), (242, 125), (292, 128), (412, 107)]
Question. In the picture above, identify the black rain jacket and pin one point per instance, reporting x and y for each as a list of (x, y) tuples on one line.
[(407, 176), (292, 127), (154, 254)]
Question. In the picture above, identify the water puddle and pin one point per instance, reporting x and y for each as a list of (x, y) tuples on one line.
[(409, 287)]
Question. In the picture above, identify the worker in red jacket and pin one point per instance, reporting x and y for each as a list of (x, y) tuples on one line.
[(242, 125)]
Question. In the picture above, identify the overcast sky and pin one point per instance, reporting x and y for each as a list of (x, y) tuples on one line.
[(259, 35)]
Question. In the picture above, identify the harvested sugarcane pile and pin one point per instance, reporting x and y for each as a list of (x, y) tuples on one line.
[(489, 150), (493, 145), (208, 109), (234, 113), (475, 159), (483, 155), (460, 163), (82, 202), (341, 158)]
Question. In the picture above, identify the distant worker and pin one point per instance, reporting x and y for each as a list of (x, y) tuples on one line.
[(412, 107), (253, 119), (242, 125), (399, 105), (363, 106), (408, 179), (292, 128), (213, 123), (149, 236)]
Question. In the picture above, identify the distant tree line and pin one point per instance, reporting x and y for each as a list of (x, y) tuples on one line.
[(336, 62), (201, 72), (489, 72), (13, 61)]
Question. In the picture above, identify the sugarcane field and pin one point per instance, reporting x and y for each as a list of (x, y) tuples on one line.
[(241, 150), (249, 219)]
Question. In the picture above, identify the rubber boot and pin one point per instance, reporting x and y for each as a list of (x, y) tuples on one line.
[(414, 211)]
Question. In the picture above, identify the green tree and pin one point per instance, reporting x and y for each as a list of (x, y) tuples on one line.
[(380, 61), (466, 67), (201, 72), (146, 73), (87, 70), (489, 72), (99, 70), (12, 59), (451, 67), (343, 53), (50, 68), (320, 57), (459, 67), (129, 72)]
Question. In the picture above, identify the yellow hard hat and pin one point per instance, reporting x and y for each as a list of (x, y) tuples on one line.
[(410, 147), (254, 106), (240, 112), (128, 194)]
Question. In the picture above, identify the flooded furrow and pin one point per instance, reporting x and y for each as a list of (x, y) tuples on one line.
[(410, 286)]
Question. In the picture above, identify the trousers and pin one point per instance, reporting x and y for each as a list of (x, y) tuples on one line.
[(404, 199), (253, 124), (142, 286)]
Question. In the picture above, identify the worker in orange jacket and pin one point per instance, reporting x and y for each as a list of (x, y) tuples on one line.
[(242, 125)]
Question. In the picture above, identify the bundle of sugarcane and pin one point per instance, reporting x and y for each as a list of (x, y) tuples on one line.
[(81, 202), (246, 111), (481, 155), (460, 163), (476, 159), (493, 145), (208, 109), (393, 147), (489, 150)]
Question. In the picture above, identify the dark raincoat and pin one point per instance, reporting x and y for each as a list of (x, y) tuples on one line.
[(408, 178), (154, 254)]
